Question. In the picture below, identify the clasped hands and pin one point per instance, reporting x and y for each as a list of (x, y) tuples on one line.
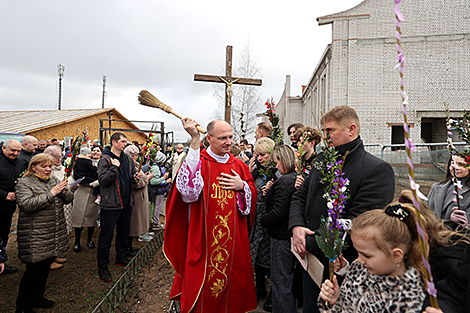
[(59, 188)]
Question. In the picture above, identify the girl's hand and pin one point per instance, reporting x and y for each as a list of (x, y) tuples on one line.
[(165, 176), (298, 181), (330, 291), (430, 309), (340, 263), (168, 180)]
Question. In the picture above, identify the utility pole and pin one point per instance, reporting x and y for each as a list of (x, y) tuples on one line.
[(104, 91), (61, 69)]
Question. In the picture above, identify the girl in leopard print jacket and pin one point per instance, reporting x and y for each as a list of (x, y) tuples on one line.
[(386, 277)]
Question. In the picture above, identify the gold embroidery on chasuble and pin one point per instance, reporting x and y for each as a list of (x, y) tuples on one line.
[(221, 194), (221, 238)]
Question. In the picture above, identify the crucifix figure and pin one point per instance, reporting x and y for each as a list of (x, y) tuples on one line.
[(228, 80)]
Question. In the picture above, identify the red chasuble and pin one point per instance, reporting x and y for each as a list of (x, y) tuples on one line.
[(210, 251)]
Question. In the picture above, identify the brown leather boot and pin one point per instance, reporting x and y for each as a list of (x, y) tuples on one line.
[(60, 260), (56, 266)]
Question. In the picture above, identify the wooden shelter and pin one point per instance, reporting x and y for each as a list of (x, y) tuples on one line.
[(65, 124)]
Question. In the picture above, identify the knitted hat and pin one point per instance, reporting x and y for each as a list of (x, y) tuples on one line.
[(85, 151), (160, 157), (131, 150)]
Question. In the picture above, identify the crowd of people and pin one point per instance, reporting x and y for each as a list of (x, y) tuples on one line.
[(105, 190), (236, 217), (215, 203)]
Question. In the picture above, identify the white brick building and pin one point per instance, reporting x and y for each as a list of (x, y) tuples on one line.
[(357, 69)]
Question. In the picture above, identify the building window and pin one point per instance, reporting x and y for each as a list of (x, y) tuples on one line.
[(398, 137)]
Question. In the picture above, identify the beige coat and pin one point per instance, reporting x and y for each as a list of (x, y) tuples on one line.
[(42, 232), (140, 221), (85, 210)]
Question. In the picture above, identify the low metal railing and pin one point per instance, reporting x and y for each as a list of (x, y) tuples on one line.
[(425, 153), (115, 295), (175, 307)]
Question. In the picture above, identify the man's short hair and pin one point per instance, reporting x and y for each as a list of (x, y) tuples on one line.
[(312, 133), (7, 142), (343, 115), (244, 141), (266, 128), (295, 125), (42, 140), (116, 137)]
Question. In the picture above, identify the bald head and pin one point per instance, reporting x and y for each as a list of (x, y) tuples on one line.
[(29, 143), (219, 136), (218, 123), (11, 148)]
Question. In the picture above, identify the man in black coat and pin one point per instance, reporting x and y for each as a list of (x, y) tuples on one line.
[(28, 148), (10, 168), (371, 186)]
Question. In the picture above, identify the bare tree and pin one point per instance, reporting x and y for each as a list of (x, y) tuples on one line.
[(245, 98)]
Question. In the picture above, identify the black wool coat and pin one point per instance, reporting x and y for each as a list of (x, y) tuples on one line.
[(371, 186), (84, 168), (9, 172)]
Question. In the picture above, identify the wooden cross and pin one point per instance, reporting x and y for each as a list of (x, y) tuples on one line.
[(228, 80)]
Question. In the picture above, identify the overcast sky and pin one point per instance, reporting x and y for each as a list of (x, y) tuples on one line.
[(153, 45)]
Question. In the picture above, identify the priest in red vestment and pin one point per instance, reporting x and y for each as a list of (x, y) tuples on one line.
[(206, 233)]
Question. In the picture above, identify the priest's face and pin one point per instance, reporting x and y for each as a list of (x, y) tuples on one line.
[(220, 138)]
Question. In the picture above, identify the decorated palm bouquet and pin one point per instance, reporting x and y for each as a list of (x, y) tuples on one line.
[(331, 236), (77, 142)]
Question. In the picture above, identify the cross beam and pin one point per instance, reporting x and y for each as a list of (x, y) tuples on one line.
[(228, 80)]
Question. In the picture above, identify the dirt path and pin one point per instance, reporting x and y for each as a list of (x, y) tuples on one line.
[(76, 287)]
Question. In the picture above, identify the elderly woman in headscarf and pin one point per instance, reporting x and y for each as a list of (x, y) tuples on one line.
[(42, 233), (140, 220), (160, 184), (85, 210)]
